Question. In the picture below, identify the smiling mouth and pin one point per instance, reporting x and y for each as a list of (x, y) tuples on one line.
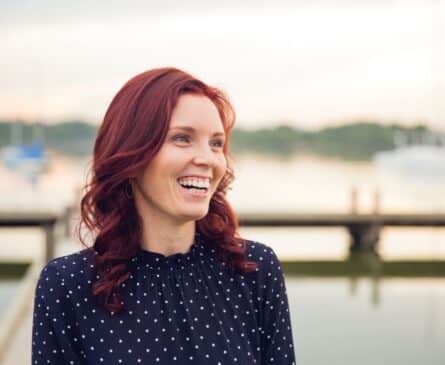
[(194, 190)]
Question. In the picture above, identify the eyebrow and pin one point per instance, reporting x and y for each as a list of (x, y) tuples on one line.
[(193, 130)]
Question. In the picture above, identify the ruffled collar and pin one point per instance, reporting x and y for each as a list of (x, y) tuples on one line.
[(156, 260)]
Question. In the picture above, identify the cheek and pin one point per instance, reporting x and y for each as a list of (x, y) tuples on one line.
[(155, 176), (222, 166), (167, 162)]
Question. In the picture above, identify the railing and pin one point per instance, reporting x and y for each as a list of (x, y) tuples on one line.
[(364, 229), (44, 220)]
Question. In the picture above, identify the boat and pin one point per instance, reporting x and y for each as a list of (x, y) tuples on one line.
[(27, 158), (415, 161)]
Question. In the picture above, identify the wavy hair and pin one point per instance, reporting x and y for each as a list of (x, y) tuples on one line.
[(133, 130)]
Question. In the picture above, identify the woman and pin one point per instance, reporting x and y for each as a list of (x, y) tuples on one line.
[(167, 279)]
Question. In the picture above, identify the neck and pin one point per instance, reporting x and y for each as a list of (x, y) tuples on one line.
[(167, 238)]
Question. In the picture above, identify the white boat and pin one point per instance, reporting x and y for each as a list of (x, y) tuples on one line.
[(426, 162)]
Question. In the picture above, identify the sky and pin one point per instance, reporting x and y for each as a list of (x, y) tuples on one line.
[(308, 64)]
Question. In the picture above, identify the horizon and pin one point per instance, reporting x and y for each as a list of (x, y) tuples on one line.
[(278, 124)]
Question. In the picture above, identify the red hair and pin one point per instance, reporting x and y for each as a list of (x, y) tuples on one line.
[(132, 132)]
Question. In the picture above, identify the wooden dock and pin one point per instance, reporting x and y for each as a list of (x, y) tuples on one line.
[(339, 219), (364, 229), (43, 219)]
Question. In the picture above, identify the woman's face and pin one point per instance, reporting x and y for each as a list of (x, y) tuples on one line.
[(192, 155)]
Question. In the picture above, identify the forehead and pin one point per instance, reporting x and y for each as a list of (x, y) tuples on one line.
[(196, 111)]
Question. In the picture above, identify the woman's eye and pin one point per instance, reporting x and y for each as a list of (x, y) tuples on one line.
[(181, 137), (184, 138), (219, 143)]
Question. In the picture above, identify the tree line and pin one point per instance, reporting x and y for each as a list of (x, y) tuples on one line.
[(356, 140)]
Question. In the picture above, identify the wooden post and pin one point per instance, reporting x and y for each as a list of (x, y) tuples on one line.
[(49, 242), (376, 201), (67, 221), (71, 210), (375, 290), (364, 237), (354, 199)]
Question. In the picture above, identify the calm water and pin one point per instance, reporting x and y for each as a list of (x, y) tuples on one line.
[(8, 288), (301, 184), (335, 321)]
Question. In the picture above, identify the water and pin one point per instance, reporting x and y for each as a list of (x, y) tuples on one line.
[(335, 320), (307, 183), (311, 183), (8, 289), (333, 243), (304, 183), (333, 323)]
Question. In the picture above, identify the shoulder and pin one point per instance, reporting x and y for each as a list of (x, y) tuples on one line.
[(67, 271), (71, 265), (268, 263), (262, 254), (268, 278), (61, 284)]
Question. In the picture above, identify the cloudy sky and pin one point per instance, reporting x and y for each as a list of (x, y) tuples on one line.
[(305, 63)]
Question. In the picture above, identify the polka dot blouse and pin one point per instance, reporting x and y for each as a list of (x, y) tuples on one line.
[(186, 308)]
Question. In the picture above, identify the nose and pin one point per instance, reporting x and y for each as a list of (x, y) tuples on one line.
[(204, 155)]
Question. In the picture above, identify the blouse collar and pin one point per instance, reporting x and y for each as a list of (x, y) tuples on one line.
[(180, 260)]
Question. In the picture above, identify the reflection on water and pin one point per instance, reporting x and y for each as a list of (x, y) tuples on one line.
[(8, 289), (338, 322)]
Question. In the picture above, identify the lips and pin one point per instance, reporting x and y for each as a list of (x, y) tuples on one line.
[(196, 177)]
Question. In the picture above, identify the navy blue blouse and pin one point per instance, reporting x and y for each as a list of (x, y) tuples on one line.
[(186, 308)]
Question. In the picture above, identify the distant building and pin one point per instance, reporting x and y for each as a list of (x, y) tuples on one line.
[(418, 137)]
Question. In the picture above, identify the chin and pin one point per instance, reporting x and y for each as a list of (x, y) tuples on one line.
[(194, 216), (197, 217)]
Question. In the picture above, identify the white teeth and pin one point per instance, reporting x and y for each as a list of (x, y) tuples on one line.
[(202, 183)]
